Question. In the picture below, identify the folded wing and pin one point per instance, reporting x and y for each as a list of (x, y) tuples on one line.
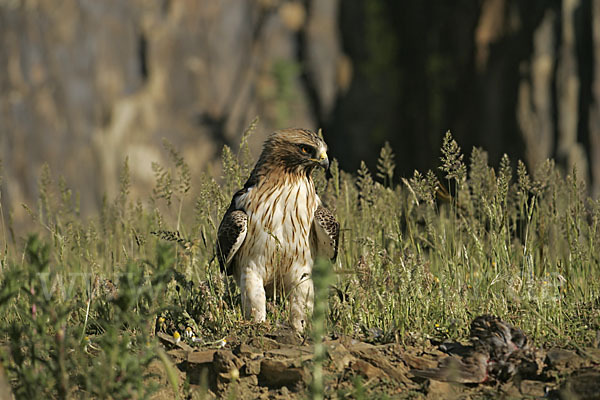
[(327, 233), (231, 235)]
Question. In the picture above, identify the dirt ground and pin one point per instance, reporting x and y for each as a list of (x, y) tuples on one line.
[(277, 366)]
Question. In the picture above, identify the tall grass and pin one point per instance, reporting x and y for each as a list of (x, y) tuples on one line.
[(81, 298)]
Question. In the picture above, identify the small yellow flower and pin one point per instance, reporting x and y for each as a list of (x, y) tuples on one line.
[(177, 337), (88, 345), (189, 332), (162, 324), (437, 325), (222, 343)]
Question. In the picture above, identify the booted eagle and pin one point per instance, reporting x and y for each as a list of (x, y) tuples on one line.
[(276, 226)]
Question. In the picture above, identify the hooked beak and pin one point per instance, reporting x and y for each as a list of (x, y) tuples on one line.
[(324, 161)]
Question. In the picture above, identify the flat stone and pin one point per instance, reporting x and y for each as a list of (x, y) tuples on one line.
[(584, 385), (264, 343), (288, 352), (354, 345), (366, 369), (561, 358), (171, 340), (278, 373), (419, 362), (178, 354), (397, 372), (245, 350), (510, 390), (287, 336), (201, 357)]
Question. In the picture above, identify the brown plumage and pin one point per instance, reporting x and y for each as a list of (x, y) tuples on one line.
[(470, 369), (500, 337), (276, 225), (499, 351)]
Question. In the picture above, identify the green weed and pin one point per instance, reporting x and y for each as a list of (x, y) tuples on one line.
[(81, 300)]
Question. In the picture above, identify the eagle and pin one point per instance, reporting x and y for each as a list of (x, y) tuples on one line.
[(276, 226)]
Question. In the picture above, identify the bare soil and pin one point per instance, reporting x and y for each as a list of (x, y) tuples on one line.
[(278, 366)]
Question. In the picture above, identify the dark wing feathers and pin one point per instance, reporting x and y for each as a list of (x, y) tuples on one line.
[(233, 228), (327, 233), (472, 369), (231, 235), (501, 338)]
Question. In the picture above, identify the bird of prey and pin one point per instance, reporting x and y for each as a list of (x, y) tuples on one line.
[(510, 353), (470, 369), (499, 351), (500, 337), (276, 226)]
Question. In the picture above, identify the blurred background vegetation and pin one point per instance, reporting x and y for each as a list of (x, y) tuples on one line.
[(85, 84)]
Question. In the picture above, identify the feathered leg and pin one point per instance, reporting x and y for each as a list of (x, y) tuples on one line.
[(253, 296), (301, 301)]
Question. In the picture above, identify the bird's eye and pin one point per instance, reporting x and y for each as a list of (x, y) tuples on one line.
[(306, 149)]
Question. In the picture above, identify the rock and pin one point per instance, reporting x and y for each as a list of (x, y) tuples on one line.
[(264, 343), (419, 362), (178, 354), (170, 340), (339, 356), (370, 354), (561, 358), (366, 369), (252, 367), (227, 366), (284, 391), (245, 350), (533, 388), (201, 357), (584, 385), (251, 380), (278, 373), (287, 336), (290, 352), (356, 346), (225, 361), (442, 390), (510, 390)]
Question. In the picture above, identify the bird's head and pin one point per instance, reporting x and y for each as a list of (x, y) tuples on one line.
[(296, 150)]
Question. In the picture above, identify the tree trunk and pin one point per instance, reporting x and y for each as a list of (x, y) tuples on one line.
[(569, 150), (534, 108)]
